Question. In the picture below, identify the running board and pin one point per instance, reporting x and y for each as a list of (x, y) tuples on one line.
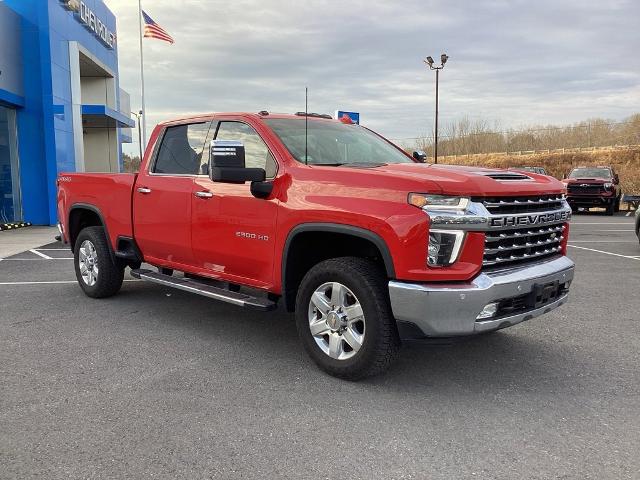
[(193, 286)]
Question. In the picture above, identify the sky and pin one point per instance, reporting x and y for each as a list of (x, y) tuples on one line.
[(513, 63)]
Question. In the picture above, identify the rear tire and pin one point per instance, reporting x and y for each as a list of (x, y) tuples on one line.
[(98, 274), (355, 337)]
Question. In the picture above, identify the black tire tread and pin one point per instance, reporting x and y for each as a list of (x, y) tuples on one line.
[(388, 342), (111, 273)]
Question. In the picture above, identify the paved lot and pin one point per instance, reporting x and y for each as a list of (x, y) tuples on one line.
[(155, 382)]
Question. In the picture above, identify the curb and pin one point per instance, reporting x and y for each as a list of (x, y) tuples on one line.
[(13, 226)]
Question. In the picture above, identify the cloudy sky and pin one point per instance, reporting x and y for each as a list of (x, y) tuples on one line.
[(511, 61)]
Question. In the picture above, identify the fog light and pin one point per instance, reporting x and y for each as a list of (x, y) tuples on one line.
[(434, 249), (444, 247), (489, 310)]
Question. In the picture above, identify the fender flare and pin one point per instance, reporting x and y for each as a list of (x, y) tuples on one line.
[(342, 229), (96, 210)]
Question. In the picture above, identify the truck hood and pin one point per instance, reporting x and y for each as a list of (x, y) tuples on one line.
[(474, 181)]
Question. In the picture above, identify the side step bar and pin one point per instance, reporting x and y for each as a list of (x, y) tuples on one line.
[(193, 286)]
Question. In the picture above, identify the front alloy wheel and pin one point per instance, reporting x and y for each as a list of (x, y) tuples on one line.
[(336, 320), (344, 318)]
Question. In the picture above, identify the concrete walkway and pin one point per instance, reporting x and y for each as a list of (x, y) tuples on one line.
[(21, 239)]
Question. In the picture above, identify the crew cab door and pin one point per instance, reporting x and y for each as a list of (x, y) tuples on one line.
[(162, 196), (233, 233)]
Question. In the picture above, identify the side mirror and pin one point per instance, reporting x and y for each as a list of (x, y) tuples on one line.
[(616, 179), (420, 156), (227, 163)]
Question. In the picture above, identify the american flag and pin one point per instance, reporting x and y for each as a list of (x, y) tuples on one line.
[(153, 30)]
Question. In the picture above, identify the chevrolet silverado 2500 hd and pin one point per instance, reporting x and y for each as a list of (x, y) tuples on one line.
[(365, 243)]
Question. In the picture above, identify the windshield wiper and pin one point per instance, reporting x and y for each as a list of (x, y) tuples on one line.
[(365, 165)]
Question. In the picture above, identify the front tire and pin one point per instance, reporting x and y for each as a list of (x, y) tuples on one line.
[(98, 274), (344, 318)]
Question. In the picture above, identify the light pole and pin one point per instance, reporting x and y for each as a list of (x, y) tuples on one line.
[(429, 61), (138, 116)]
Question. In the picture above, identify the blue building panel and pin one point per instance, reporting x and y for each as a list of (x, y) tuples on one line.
[(44, 106), (10, 99)]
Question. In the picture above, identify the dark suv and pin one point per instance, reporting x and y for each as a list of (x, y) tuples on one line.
[(593, 187)]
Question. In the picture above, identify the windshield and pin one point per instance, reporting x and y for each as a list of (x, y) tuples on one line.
[(590, 173), (334, 143)]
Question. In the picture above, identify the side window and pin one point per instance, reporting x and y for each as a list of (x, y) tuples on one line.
[(256, 153), (181, 149)]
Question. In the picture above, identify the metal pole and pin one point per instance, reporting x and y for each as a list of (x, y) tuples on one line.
[(139, 136), (144, 110), (435, 153)]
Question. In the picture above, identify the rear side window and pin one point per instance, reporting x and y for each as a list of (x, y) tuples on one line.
[(181, 149)]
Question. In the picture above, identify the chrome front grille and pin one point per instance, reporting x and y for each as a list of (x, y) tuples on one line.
[(518, 229), (539, 203), (522, 244)]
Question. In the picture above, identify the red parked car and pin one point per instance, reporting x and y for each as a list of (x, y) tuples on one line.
[(365, 243), (594, 187)]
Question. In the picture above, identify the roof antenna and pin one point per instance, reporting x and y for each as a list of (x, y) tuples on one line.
[(306, 124)]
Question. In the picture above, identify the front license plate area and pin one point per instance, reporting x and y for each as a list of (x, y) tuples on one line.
[(543, 293)]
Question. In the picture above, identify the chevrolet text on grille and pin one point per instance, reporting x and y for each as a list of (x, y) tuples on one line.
[(525, 220)]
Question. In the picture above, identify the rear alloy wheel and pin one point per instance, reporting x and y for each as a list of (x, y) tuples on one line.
[(88, 262), (344, 318), (98, 273)]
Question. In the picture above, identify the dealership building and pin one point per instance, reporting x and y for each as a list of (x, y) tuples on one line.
[(61, 107)]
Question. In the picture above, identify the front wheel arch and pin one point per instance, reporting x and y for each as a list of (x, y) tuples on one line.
[(310, 243)]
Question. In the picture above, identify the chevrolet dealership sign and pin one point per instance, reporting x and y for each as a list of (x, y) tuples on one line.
[(86, 16)]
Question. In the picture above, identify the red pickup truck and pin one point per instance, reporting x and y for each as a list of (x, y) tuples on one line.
[(367, 244), (594, 187)]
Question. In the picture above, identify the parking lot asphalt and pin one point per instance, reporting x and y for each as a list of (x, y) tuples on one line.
[(158, 383)]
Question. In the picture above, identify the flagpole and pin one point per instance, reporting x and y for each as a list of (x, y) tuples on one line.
[(144, 110)]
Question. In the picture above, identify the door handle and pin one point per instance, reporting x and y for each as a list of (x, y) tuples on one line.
[(144, 190), (203, 194)]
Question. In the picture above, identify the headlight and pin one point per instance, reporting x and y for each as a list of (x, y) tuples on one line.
[(444, 247), (437, 202), (608, 186)]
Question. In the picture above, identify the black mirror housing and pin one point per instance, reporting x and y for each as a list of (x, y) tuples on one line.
[(237, 175), (420, 156)]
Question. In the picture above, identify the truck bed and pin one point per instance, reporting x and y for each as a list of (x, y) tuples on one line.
[(109, 193)]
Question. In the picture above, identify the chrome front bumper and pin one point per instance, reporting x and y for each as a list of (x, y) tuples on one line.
[(451, 309)]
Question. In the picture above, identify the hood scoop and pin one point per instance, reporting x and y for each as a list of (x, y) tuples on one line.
[(507, 176)]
